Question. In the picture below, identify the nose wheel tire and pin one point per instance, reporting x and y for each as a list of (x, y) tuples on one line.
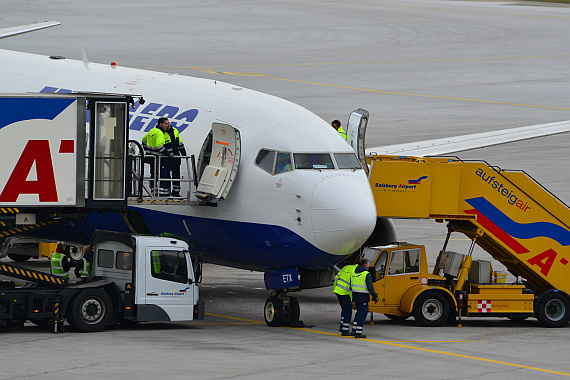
[(291, 313), (553, 310), (273, 311), (431, 309)]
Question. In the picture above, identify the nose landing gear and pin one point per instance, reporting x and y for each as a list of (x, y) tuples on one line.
[(282, 310)]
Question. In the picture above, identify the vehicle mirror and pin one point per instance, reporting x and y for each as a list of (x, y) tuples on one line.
[(190, 282)]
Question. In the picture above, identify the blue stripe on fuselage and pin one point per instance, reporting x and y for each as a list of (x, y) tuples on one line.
[(238, 244)]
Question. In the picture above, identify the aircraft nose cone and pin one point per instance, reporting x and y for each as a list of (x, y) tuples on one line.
[(343, 213)]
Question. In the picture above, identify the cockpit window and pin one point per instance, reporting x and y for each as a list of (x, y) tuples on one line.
[(265, 159), (347, 161), (283, 163), (313, 161)]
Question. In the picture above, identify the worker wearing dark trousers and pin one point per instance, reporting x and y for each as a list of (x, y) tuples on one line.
[(361, 287), (60, 263), (344, 296)]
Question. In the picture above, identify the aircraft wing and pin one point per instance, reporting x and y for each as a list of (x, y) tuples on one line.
[(472, 141), (14, 31)]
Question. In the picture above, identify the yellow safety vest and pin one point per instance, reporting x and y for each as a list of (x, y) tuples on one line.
[(358, 282), (155, 140), (155, 255), (85, 270), (342, 133), (342, 280), (57, 267)]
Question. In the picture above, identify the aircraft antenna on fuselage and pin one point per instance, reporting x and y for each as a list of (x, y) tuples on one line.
[(16, 30)]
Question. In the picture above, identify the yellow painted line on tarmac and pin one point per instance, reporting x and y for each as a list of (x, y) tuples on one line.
[(211, 67), (235, 318), (401, 345), (226, 323), (398, 344), (421, 95)]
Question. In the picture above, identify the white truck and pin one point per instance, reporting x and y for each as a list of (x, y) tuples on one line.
[(134, 278)]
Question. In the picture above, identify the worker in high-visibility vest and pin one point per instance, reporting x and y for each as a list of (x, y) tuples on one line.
[(344, 296), (60, 263), (336, 125), (162, 143), (83, 269), (157, 156), (361, 287)]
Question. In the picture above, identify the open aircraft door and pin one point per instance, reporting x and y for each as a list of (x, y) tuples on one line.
[(218, 176), (356, 132)]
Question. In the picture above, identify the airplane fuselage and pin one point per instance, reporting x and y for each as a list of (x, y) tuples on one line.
[(302, 218)]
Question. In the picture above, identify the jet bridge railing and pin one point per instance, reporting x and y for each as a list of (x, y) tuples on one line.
[(146, 179), (508, 213)]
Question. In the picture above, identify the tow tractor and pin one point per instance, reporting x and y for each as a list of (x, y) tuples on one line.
[(507, 213)]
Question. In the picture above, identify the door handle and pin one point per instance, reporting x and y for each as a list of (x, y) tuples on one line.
[(414, 278), (152, 294)]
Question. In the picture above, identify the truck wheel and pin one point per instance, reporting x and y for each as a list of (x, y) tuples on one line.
[(19, 258), (273, 311), (431, 309), (552, 310), (292, 317), (90, 310)]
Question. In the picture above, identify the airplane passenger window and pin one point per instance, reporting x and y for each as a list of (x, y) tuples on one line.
[(265, 159), (283, 163), (347, 161), (313, 161)]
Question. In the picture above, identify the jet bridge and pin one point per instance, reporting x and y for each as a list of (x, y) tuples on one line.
[(63, 156), (506, 212)]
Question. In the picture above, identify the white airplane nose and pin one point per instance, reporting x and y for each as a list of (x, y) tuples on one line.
[(343, 213)]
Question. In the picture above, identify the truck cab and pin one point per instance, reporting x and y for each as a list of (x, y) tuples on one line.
[(405, 287), (157, 277)]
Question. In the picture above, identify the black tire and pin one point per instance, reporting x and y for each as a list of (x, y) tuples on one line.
[(292, 317), (396, 318), (273, 311), (553, 309), (90, 310), (431, 308), (19, 258), (452, 316)]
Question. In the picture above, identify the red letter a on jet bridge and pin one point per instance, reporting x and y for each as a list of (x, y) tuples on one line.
[(36, 151)]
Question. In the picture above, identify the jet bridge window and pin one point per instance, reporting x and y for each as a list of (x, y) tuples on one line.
[(313, 161), (169, 265), (347, 161), (407, 261)]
